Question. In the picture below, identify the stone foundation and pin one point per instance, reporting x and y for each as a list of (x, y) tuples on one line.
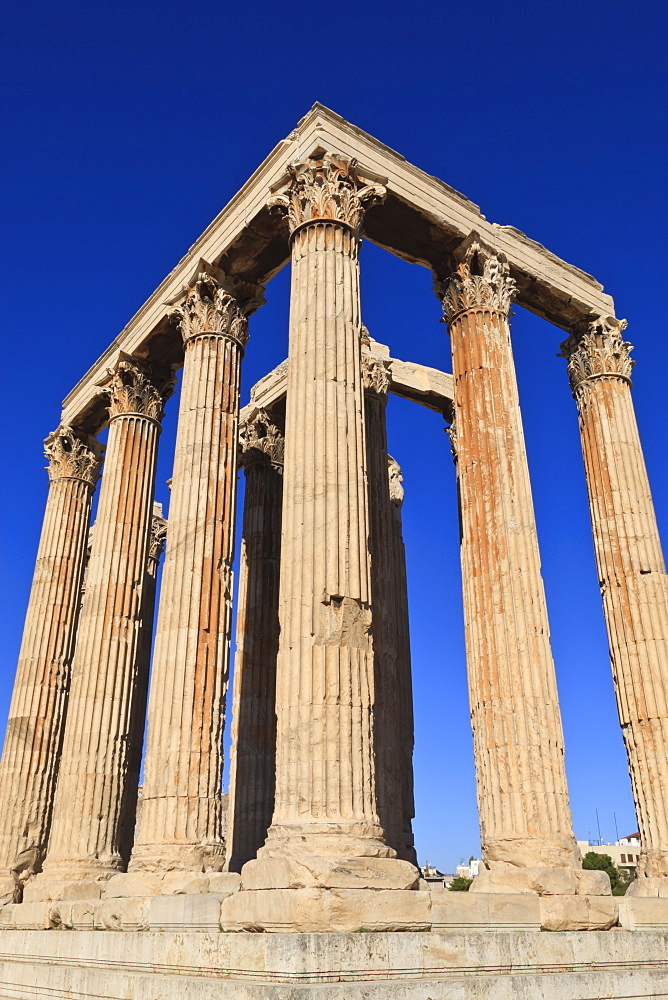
[(461, 964)]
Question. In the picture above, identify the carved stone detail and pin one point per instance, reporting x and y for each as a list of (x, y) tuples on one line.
[(375, 377), (451, 431), (260, 440), (158, 535), (212, 307), (396, 480), (482, 281), (134, 387), (600, 351), (327, 189), (73, 456)]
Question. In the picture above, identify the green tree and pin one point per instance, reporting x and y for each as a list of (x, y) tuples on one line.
[(460, 884), (619, 881)]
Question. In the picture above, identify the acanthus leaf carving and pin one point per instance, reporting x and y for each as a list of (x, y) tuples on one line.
[(73, 455), (158, 533), (599, 351), (327, 188), (375, 376), (260, 440), (481, 281), (212, 306), (134, 387)]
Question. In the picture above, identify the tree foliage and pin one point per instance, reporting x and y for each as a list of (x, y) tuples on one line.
[(619, 881), (460, 884)]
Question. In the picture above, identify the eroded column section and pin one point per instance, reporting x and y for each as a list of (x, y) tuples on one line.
[(253, 751), (325, 781), (632, 575), (31, 754), (85, 837), (519, 753), (181, 814), (404, 670)]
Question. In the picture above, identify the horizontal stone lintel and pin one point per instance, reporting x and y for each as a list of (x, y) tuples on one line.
[(422, 220), (429, 387)]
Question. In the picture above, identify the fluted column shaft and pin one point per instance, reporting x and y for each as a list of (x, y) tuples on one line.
[(85, 835), (404, 670), (253, 750), (31, 755), (181, 815), (386, 704), (522, 793), (631, 570), (138, 722), (325, 781)]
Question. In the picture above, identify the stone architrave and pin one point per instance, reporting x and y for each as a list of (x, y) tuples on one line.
[(31, 755), (253, 750), (325, 807), (404, 671), (138, 723), (85, 837), (376, 383), (181, 825), (632, 575), (518, 743)]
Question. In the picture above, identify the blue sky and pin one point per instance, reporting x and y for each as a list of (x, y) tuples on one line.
[(127, 127)]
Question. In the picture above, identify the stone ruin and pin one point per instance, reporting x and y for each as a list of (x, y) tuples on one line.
[(318, 837)]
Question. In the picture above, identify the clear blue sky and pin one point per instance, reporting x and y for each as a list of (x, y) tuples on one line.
[(128, 126)]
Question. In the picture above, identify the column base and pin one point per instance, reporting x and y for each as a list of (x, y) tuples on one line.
[(542, 881), (177, 857), (330, 873), (81, 869), (531, 852), (321, 840), (648, 886)]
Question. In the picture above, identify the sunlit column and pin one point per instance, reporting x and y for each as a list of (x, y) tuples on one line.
[(86, 830), (519, 754), (325, 779), (31, 755), (631, 571), (182, 808)]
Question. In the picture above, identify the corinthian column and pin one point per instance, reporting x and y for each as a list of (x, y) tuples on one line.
[(325, 775), (181, 815), (89, 805), (632, 575), (404, 671), (376, 383), (253, 752), (519, 753), (31, 755)]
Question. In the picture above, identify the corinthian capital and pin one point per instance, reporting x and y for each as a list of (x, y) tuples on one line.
[(214, 305), (600, 350), (73, 456), (375, 377), (329, 189), (260, 440), (135, 387), (482, 281)]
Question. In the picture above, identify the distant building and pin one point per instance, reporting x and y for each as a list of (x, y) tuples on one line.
[(435, 878), (625, 852)]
